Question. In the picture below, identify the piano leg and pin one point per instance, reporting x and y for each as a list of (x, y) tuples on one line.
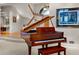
[(29, 50), (59, 44), (46, 45), (58, 53), (65, 52), (42, 46)]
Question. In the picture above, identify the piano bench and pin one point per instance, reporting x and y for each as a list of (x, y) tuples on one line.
[(51, 50)]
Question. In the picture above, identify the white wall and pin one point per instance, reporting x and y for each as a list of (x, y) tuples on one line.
[(72, 34), (22, 11), (13, 27), (19, 10), (0, 17)]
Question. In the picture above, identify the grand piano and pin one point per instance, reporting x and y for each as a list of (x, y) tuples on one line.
[(42, 35)]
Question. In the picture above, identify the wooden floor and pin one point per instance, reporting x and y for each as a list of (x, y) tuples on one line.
[(15, 34)]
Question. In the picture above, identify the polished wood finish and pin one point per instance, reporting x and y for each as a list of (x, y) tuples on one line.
[(26, 29), (42, 46), (50, 36), (46, 45), (51, 50), (46, 24), (34, 14), (43, 37), (49, 42), (29, 50)]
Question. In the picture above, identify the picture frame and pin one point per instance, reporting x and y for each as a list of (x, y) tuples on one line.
[(14, 19), (67, 17)]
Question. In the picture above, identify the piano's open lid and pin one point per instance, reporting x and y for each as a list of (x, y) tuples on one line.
[(28, 28)]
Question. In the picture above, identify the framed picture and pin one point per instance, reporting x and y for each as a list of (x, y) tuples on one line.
[(14, 19), (67, 17)]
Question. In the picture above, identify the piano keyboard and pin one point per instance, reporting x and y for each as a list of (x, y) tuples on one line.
[(48, 40)]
